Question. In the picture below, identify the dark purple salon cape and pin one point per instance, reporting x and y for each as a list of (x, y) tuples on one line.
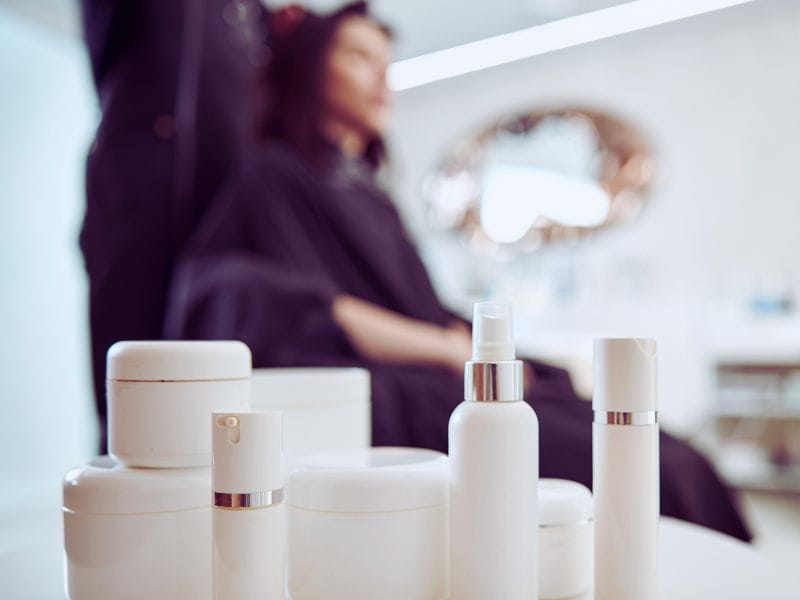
[(175, 80), (282, 241)]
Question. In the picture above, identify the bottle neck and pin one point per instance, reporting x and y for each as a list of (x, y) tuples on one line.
[(493, 381)]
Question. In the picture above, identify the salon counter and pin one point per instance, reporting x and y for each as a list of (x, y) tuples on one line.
[(696, 563)]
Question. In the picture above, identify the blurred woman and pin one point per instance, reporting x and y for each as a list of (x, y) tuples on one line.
[(304, 258)]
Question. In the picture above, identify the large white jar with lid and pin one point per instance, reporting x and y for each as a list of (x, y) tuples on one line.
[(138, 524), (137, 533), (366, 524), (161, 395)]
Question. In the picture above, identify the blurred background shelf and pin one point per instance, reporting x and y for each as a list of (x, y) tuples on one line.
[(755, 422)]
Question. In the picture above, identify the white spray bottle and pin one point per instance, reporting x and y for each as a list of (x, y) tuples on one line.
[(494, 470), (626, 471)]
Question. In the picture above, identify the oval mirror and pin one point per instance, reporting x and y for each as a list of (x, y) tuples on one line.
[(541, 177)]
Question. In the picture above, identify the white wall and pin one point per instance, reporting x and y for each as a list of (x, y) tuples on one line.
[(47, 116), (719, 96)]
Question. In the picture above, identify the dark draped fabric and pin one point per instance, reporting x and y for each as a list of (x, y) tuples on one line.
[(176, 81), (282, 241)]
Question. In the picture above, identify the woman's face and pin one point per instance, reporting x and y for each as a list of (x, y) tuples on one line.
[(355, 91)]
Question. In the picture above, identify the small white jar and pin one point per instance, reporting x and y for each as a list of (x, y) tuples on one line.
[(324, 409), (566, 551), (368, 524), (137, 533), (160, 396)]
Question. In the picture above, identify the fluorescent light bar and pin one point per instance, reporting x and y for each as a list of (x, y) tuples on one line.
[(556, 35)]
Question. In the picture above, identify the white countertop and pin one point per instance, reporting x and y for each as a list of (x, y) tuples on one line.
[(695, 564)]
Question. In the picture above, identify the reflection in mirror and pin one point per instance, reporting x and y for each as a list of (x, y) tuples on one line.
[(542, 177)]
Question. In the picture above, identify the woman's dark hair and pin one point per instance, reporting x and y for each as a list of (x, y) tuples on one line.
[(293, 80)]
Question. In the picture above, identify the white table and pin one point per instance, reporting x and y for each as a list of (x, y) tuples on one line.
[(695, 564)]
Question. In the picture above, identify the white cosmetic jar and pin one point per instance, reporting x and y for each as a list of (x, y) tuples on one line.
[(137, 533), (160, 396), (366, 524), (324, 409), (566, 552)]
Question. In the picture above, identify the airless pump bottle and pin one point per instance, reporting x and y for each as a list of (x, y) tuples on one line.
[(626, 472), (494, 470), (248, 509)]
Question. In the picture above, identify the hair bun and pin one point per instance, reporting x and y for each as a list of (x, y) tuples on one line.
[(286, 19)]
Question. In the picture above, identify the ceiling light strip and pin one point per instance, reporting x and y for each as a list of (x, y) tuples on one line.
[(541, 39)]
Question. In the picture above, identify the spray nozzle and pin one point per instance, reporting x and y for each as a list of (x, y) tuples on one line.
[(492, 335)]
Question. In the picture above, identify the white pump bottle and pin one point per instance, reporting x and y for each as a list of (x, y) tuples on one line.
[(494, 470), (248, 511), (626, 471)]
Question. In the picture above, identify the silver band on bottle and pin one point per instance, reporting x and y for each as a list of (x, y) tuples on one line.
[(614, 417), (493, 381), (250, 500)]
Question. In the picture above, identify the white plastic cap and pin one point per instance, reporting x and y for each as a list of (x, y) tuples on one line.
[(101, 486), (564, 502), (247, 450), (178, 361), (492, 332), (624, 374), (370, 480)]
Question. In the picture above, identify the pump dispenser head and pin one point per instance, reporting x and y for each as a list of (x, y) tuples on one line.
[(493, 374), (492, 332), (247, 469)]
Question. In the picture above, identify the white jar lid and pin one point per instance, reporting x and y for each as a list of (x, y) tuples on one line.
[(370, 480), (178, 361), (287, 388), (103, 487), (563, 502)]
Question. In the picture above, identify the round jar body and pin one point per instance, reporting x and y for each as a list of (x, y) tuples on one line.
[(324, 409), (164, 424), (565, 560), (566, 546), (129, 557), (370, 523), (399, 555), (137, 533)]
